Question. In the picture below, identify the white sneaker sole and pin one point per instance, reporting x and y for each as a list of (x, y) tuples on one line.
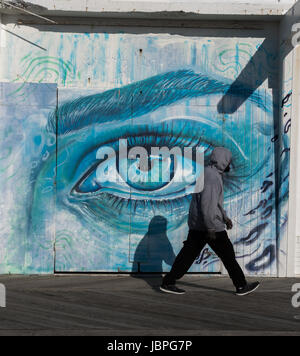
[(250, 291), (168, 291)]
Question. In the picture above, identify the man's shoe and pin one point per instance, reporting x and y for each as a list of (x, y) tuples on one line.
[(249, 287), (171, 288)]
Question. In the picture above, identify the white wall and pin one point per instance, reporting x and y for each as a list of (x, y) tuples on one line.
[(242, 7), (164, 49), (295, 162), (289, 244), (290, 83)]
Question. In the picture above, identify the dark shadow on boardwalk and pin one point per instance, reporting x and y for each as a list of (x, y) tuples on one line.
[(154, 249)]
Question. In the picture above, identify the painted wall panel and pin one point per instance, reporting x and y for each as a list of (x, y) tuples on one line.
[(27, 230), (109, 221), (283, 161), (151, 89)]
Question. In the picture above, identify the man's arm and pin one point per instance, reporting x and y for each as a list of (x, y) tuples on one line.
[(209, 203), (226, 219)]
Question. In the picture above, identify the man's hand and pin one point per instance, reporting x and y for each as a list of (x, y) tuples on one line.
[(211, 235), (229, 224)]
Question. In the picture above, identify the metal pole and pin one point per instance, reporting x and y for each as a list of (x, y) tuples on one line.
[(28, 12)]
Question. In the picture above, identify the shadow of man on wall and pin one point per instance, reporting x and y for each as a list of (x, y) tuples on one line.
[(152, 250)]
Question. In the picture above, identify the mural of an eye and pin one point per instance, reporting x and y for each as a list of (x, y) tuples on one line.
[(166, 176), (137, 183), (102, 191), (171, 110), (180, 91)]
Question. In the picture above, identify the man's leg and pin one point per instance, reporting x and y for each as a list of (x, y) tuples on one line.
[(222, 246), (191, 249)]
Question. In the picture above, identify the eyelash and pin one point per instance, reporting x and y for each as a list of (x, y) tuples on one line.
[(167, 136), (121, 203)]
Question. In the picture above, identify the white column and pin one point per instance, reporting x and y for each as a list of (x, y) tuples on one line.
[(293, 248)]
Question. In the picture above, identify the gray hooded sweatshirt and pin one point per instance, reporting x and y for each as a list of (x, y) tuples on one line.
[(206, 210)]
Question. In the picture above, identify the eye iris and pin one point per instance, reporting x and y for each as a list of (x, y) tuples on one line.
[(159, 173)]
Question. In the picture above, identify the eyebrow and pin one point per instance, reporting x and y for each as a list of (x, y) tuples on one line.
[(144, 96)]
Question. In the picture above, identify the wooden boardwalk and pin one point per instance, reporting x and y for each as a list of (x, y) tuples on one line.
[(122, 305)]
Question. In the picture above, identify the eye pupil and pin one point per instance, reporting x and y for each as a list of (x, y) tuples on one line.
[(159, 173)]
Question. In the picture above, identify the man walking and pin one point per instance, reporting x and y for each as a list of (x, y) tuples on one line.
[(207, 221)]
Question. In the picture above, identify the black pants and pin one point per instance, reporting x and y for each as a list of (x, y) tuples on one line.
[(195, 242)]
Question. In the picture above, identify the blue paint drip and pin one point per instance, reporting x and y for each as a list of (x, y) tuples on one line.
[(194, 54)]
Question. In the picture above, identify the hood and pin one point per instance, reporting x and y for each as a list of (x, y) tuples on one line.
[(220, 158)]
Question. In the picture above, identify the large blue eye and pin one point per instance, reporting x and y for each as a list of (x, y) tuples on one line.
[(118, 200), (166, 177)]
